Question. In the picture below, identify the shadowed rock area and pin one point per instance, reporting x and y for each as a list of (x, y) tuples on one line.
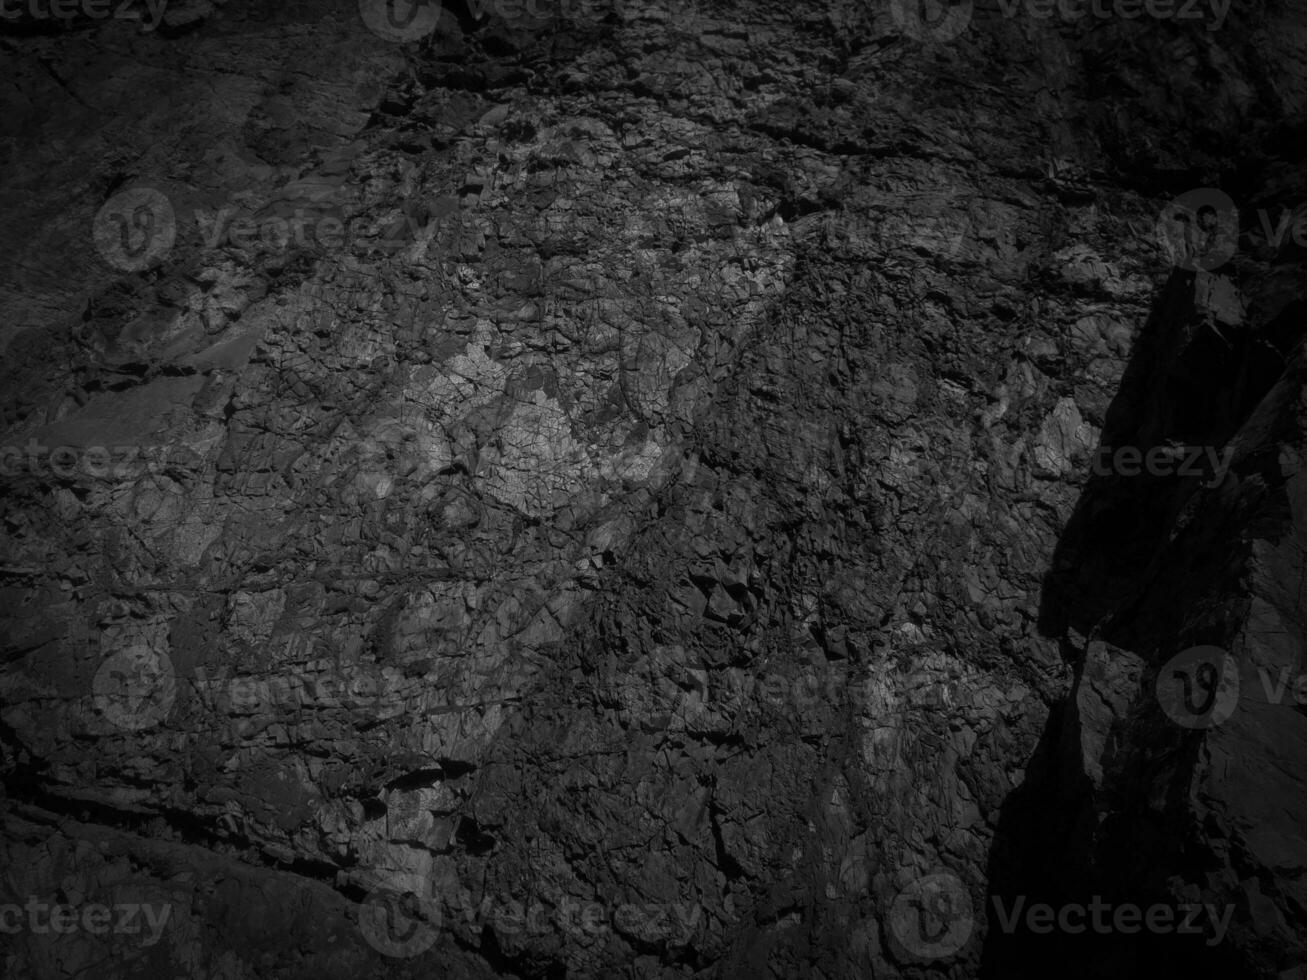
[(652, 488)]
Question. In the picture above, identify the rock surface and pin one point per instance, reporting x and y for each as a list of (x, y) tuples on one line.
[(629, 478)]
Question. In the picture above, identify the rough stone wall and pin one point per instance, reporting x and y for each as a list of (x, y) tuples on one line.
[(629, 481)]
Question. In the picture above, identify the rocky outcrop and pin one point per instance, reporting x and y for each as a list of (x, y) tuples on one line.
[(551, 490)]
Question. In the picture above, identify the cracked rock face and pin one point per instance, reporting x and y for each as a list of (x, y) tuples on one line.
[(648, 488)]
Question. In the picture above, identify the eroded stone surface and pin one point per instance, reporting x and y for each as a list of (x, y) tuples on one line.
[(625, 476)]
